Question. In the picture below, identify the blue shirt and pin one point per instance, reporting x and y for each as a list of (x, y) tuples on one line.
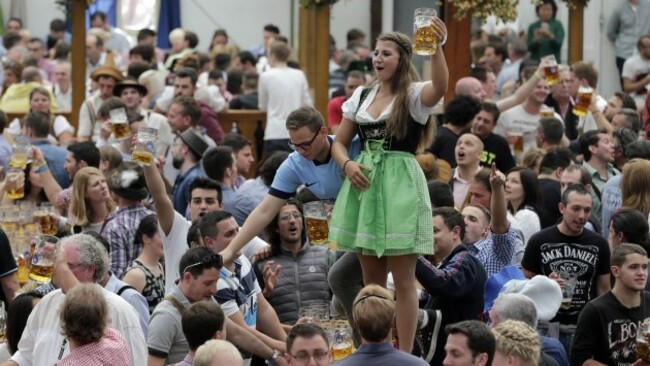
[(55, 158), (611, 199), (181, 191), (380, 354), (239, 205), (5, 153), (323, 179)]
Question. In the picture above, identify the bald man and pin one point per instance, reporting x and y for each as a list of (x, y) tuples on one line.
[(468, 157), (472, 86)]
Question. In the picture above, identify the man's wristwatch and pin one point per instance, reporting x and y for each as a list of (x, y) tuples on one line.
[(275, 355)]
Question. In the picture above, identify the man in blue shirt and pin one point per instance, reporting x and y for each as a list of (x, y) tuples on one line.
[(37, 128), (186, 153)]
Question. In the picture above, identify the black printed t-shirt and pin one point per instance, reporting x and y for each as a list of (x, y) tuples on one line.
[(586, 256), (496, 150)]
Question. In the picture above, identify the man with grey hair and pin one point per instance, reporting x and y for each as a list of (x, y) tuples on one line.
[(81, 259), (520, 307), (626, 118)]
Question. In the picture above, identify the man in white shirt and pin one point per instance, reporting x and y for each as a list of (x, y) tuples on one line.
[(281, 90), (63, 85), (636, 72), (82, 259)]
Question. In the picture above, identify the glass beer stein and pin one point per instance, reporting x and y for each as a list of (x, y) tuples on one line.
[(316, 222), (145, 146), (425, 39)]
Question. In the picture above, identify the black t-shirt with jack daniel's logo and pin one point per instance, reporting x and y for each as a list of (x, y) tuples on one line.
[(585, 256)]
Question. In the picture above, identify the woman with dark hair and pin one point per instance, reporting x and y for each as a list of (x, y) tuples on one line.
[(300, 269), (546, 35), (522, 194), (17, 314), (146, 274)]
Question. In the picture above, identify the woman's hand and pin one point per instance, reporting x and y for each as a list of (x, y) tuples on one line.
[(354, 172), (441, 29)]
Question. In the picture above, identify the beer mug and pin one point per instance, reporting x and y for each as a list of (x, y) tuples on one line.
[(145, 146), (316, 221), (342, 343), (584, 101), (20, 152), (567, 291), (10, 219), (551, 70), (15, 184), (45, 253), (546, 112), (120, 123), (517, 144), (44, 217), (425, 39), (642, 349)]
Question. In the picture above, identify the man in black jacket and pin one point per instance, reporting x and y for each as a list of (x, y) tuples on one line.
[(455, 285)]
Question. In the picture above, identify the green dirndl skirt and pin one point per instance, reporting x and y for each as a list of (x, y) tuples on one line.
[(393, 215)]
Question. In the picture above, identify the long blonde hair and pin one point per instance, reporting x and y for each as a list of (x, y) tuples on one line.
[(78, 206), (635, 185), (405, 74)]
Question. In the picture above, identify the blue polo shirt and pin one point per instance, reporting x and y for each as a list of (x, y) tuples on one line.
[(322, 179)]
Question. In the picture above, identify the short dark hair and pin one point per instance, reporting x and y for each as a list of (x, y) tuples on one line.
[(577, 188), (207, 224), (189, 107), (544, 2), (57, 25), (191, 38), (36, 40), (440, 194), (206, 183), (553, 130), (85, 151), (271, 165), (451, 217), (492, 109), (555, 158), (461, 110), (479, 337), (98, 14), (39, 123), (84, 314), (247, 56), (148, 226), (196, 255), (500, 49), (588, 139), (187, 72), (272, 28), (633, 225), (234, 81), (236, 141), (220, 32), (626, 100), (586, 70), (354, 34), (305, 116), (144, 50), (200, 322), (480, 72), (632, 119), (216, 160), (145, 33), (638, 149), (623, 250), (306, 330)]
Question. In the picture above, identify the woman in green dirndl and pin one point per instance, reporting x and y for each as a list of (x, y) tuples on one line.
[(383, 212)]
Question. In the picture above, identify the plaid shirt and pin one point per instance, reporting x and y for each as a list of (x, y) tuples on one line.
[(119, 230), (496, 251), (111, 350)]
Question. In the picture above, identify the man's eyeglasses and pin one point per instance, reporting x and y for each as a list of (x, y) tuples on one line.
[(318, 356), (211, 261), (304, 145), (286, 217)]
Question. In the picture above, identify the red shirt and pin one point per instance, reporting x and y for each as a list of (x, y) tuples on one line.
[(335, 111)]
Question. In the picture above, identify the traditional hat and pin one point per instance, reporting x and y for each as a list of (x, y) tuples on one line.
[(129, 83), (127, 181), (194, 141), (545, 293), (108, 69)]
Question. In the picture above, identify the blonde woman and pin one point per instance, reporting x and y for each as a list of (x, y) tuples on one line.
[(91, 200), (635, 186), (517, 344)]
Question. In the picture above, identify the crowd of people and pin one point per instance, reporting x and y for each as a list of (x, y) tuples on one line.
[(512, 228)]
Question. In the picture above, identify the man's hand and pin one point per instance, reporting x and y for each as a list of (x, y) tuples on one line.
[(270, 277), (262, 254), (556, 277), (497, 179)]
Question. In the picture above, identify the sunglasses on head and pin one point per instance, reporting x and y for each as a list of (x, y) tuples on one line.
[(210, 261)]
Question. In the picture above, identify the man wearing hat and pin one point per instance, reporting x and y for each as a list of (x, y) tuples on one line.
[(106, 76), (186, 152), (131, 93), (127, 183)]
